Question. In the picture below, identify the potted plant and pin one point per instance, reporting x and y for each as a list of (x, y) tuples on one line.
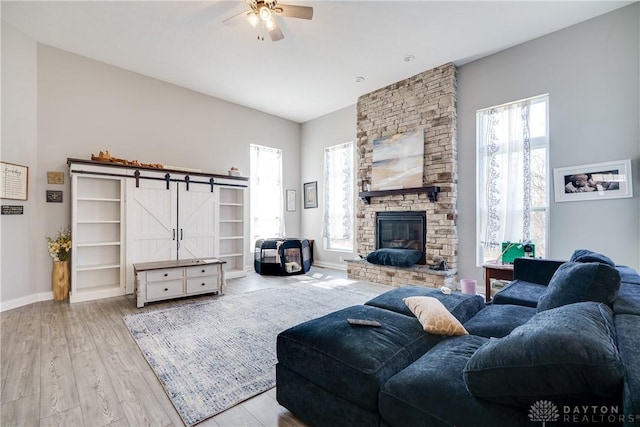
[(60, 250)]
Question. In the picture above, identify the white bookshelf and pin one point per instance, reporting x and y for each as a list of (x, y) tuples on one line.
[(97, 235), (231, 238)]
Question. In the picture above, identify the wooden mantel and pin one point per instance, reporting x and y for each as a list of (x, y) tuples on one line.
[(431, 191)]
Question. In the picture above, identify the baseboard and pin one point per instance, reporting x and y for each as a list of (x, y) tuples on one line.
[(26, 300), (336, 266)]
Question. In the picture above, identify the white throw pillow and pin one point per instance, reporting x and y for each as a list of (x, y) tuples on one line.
[(434, 316)]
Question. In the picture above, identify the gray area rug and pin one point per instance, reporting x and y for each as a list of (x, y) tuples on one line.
[(212, 355)]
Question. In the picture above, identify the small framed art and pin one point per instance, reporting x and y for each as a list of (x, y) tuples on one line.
[(311, 194), (291, 200)]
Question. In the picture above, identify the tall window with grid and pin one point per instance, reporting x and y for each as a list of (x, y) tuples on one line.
[(512, 192)]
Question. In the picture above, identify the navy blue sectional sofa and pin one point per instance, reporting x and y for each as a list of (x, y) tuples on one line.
[(559, 345)]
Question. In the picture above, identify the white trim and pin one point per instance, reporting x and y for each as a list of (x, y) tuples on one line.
[(336, 266), (513, 102), (26, 300)]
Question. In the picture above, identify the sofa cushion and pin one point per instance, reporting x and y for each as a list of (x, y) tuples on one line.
[(628, 300), (585, 255), (314, 405), (566, 353), (627, 327), (434, 317), (628, 275), (394, 257), (353, 362), (498, 320), (577, 282), (431, 392), (520, 292), (462, 306)]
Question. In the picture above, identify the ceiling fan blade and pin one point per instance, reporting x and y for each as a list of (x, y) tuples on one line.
[(290, 11), (275, 32), (233, 18)]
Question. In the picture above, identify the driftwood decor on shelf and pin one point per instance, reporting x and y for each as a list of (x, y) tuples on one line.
[(106, 157)]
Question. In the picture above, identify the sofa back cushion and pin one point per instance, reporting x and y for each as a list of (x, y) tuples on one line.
[(585, 255), (578, 282), (564, 354), (462, 306)]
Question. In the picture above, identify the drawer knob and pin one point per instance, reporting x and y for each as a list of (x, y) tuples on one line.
[(204, 271), (203, 284), (166, 274), (166, 289)]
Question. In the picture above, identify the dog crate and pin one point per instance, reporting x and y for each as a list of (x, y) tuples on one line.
[(282, 256)]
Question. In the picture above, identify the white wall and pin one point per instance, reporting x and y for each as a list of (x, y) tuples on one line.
[(331, 129), (591, 71), (19, 233), (84, 106)]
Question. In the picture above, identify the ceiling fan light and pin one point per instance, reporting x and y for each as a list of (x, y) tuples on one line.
[(253, 19), (270, 24), (264, 12)]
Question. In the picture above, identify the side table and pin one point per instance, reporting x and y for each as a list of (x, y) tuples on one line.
[(495, 271)]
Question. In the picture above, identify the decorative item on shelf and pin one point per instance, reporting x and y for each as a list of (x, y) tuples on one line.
[(234, 171), (60, 250), (106, 157), (440, 264)]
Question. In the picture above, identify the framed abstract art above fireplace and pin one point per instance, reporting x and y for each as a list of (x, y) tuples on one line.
[(398, 161)]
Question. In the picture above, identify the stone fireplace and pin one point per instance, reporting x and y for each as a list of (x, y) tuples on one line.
[(427, 102)]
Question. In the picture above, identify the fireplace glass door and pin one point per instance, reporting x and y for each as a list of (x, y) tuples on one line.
[(402, 230)]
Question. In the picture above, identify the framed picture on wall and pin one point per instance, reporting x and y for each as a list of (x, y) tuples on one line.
[(595, 181), (291, 200), (311, 194), (14, 181)]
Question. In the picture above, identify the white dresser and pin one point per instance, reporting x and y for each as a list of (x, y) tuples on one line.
[(161, 280)]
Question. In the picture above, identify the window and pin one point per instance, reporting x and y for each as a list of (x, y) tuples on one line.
[(337, 225), (512, 169), (265, 183)]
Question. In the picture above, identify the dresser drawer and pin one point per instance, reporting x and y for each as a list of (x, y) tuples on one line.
[(202, 270), (164, 274), (170, 288), (202, 284)]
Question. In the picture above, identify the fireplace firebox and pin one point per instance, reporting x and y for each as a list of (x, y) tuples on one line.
[(402, 230)]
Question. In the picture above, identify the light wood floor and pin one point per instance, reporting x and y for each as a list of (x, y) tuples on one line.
[(77, 365)]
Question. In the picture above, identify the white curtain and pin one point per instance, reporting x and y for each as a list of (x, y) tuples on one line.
[(338, 197), (267, 211), (504, 186)]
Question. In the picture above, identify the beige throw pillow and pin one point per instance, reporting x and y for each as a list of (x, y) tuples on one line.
[(434, 316)]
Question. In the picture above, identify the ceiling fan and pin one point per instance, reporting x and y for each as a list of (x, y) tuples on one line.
[(264, 12)]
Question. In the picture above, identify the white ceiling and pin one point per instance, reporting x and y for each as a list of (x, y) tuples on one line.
[(311, 71)]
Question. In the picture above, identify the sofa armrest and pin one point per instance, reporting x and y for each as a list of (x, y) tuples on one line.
[(535, 270)]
